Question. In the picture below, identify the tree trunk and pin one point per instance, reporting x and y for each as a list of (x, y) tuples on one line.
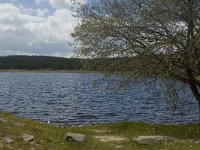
[(196, 94), (194, 87), (199, 113)]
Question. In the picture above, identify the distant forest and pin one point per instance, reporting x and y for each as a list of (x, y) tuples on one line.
[(39, 63), (60, 63)]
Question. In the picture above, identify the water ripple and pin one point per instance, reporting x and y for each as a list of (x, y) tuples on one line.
[(72, 99)]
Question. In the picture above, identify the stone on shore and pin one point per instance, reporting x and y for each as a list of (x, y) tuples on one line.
[(3, 120), (152, 139), (27, 137), (74, 137), (8, 140), (197, 142)]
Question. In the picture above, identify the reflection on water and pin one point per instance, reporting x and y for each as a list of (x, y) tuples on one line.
[(70, 98)]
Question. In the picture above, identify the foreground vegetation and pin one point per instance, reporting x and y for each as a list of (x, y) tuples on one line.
[(52, 137)]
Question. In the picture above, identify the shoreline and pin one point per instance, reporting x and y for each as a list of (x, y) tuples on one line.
[(43, 71), (107, 136)]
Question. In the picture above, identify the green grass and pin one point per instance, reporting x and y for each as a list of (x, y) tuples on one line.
[(51, 137)]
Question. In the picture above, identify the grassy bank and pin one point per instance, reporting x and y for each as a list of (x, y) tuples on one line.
[(49, 137)]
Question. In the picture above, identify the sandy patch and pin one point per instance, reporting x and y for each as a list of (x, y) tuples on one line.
[(99, 131), (110, 138)]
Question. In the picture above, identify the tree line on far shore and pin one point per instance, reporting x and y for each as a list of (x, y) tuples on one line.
[(117, 64), (60, 63), (39, 63)]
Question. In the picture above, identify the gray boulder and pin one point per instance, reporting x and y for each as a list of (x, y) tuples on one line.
[(3, 120), (8, 140), (27, 137), (74, 137), (197, 142), (152, 139)]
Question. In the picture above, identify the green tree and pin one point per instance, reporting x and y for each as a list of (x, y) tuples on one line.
[(162, 35)]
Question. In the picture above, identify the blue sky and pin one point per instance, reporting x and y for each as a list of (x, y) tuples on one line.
[(27, 3), (36, 27)]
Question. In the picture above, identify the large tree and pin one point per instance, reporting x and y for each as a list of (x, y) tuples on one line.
[(163, 36)]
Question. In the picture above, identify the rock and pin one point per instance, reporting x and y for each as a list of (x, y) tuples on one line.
[(34, 143), (152, 139), (75, 137), (8, 140), (27, 137), (3, 120), (197, 142), (118, 146)]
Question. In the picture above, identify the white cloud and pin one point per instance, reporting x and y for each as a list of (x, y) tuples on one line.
[(56, 27), (42, 12), (39, 1), (59, 3), (33, 31)]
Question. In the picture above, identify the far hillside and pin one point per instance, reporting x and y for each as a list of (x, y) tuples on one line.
[(39, 63), (116, 64)]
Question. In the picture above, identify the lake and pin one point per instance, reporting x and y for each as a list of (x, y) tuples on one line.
[(73, 98)]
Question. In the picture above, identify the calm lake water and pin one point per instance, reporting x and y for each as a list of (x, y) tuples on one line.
[(72, 98)]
